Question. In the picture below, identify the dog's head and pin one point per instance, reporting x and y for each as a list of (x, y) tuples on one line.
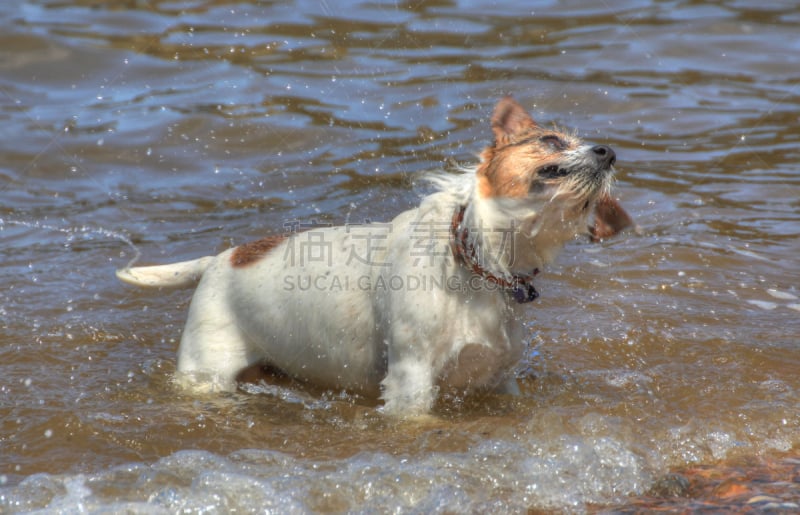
[(528, 161), (550, 181)]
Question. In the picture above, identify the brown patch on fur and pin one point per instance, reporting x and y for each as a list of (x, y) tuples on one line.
[(509, 171), (249, 253), (610, 218), (508, 167)]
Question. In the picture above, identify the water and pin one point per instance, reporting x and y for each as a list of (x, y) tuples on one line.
[(176, 129)]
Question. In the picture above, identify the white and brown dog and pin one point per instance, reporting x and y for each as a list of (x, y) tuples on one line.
[(431, 301)]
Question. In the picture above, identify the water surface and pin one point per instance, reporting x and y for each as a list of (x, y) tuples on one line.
[(177, 129)]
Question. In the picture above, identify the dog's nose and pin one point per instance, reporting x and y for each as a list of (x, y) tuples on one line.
[(605, 155)]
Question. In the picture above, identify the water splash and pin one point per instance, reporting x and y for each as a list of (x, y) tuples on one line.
[(73, 233)]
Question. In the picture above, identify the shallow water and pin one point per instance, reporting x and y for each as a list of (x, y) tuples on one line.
[(174, 129)]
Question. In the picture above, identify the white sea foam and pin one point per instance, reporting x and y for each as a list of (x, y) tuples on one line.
[(495, 475)]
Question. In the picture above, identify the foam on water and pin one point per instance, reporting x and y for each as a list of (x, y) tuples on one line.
[(494, 475)]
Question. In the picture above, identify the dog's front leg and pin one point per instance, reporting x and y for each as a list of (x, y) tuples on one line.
[(407, 389)]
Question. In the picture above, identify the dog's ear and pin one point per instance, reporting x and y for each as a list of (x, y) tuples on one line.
[(509, 121), (609, 219)]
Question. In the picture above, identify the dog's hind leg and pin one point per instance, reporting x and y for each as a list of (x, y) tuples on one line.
[(213, 349)]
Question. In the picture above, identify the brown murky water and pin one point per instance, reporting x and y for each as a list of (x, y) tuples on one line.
[(172, 129)]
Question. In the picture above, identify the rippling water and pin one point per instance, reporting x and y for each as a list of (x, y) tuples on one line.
[(173, 129)]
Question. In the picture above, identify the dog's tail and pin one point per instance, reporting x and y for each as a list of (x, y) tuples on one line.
[(185, 273)]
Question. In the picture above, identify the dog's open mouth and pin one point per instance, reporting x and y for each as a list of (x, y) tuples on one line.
[(553, 172)]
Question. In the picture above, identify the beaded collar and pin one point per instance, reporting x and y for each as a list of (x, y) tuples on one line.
[(519, 287)]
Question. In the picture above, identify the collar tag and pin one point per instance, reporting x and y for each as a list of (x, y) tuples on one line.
[(525, 293)]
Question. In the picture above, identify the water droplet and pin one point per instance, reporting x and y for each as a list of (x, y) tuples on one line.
[(781, 294), (763, 304)]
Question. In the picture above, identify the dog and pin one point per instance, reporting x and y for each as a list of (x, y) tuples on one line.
[(429, 303)]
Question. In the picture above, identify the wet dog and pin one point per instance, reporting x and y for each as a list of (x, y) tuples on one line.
[(429, 302)]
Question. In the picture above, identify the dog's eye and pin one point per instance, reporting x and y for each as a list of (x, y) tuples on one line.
[(553, 141)]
